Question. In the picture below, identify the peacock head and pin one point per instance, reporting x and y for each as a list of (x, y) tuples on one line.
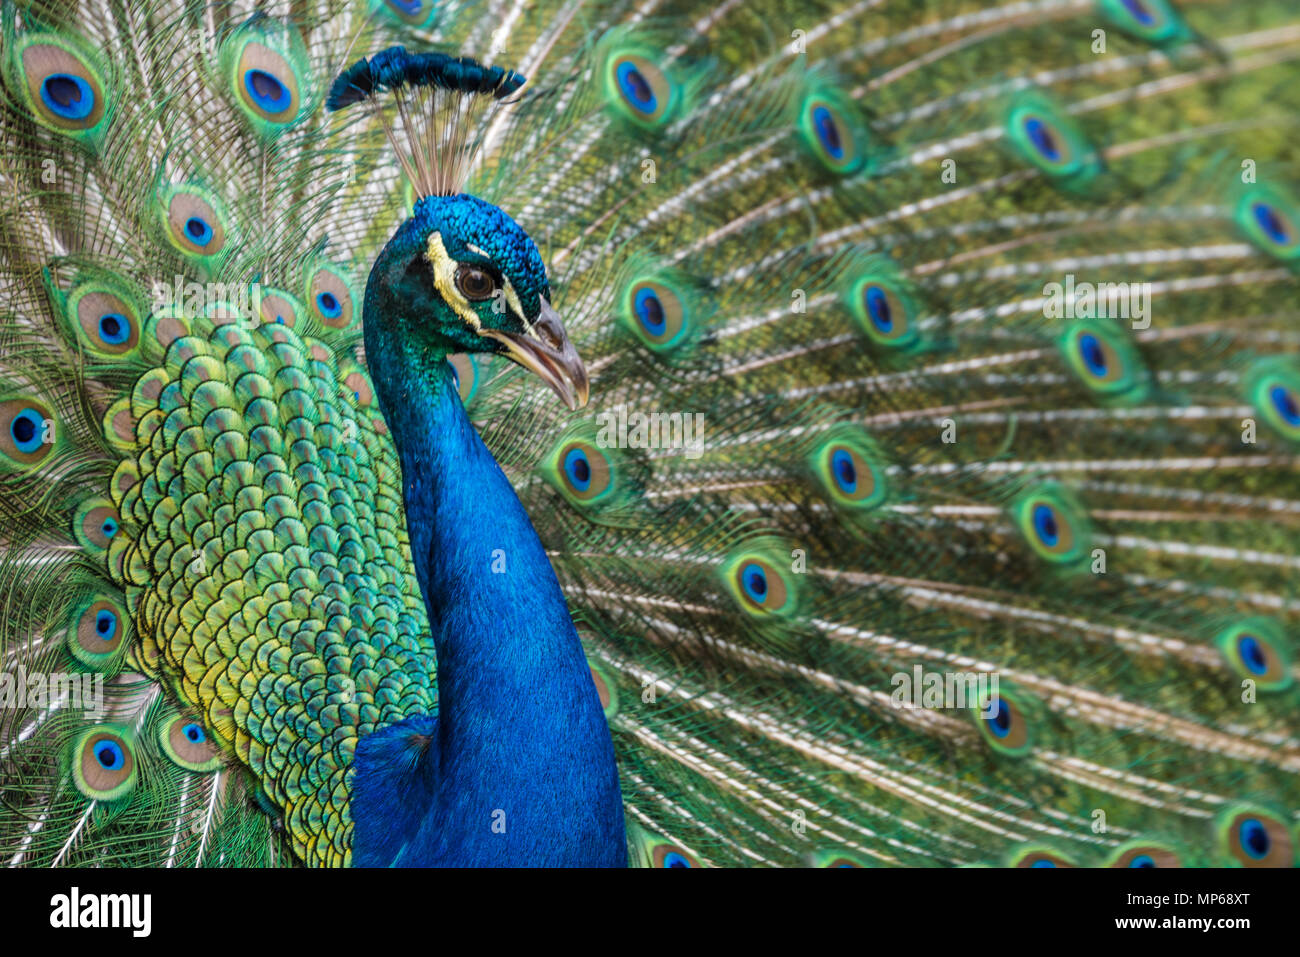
[(460, 275)]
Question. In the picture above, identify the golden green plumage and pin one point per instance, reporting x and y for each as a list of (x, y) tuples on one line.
[(268, 567)]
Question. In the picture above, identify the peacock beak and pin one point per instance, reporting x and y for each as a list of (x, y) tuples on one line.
[(548, 352)]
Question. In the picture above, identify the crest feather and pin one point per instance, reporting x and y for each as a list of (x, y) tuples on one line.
[(439, 99)]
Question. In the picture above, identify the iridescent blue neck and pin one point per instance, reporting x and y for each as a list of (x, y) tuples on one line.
[(518, 768)]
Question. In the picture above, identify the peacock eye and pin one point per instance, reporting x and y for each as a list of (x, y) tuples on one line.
[(475, 284)]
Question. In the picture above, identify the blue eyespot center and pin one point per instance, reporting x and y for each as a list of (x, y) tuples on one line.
[(1045, 525), (1000, 722), (650, 312), (105, 624), (673, 859), (410, 7), (828, 132), (194, 733), (1142, 860), (109, 755), (878, 309), (1043, 862), (267, 91), (1140, 13), (1094, 357), (578, 469), (1284, 402), (635, 89), (1252, 654), (198, 231), (754, 580), (68, 96), (1254, 838), (26, 431), (1040, 134), (1272, 223), (114, 328), (329, 305), (109, 528), (845, 472)]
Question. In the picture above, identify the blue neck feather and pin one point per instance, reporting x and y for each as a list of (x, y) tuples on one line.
[(517, 768)]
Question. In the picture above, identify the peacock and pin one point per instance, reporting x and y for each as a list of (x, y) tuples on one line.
[(669, 433)]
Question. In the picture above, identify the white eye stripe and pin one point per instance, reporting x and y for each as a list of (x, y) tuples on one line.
[(512, 300)]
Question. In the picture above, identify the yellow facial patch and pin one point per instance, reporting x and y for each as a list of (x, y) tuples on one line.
[(444, 277)]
